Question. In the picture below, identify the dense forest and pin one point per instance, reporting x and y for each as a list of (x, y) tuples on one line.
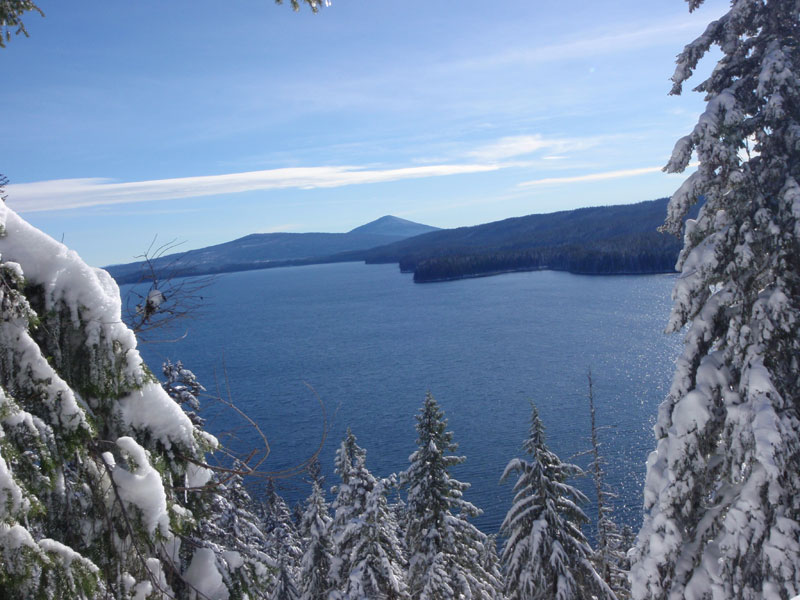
[(626, 255), (620, 239)]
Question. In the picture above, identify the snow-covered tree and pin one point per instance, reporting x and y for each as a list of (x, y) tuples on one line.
[(610, 553), (545, 554), (315, 564), (230, 525), (448, 555), (283, 541), (369, 561), (285, 587), (102, 475), (279, 525), (722, 495), (182, 386)]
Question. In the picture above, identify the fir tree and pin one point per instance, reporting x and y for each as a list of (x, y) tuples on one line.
[(231, 527), (369, 559), (610, 555), (182, 386), (285, 587), (722, 495), (448, 556), (102, 475), (279, 525), (315, 564), (545, 555)]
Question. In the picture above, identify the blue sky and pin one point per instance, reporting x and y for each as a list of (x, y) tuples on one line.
[(204, 121)]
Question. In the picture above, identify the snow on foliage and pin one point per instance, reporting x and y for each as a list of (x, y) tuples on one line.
[(610, 554), (93, 451), (545, 554), (369, 561), (315, 565), (204, 578), (447, 557), (722, 515)]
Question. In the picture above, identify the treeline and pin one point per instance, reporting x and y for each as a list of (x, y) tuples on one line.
[(621, 239), (635, 254), (409, 536)]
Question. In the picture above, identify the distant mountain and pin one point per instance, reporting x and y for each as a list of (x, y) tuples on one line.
[(603, 239), (621, 239), (263, 250), (394, 226)]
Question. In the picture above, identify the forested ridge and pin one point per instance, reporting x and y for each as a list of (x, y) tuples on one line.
[(263, 250), (621, 239), (625, 255)]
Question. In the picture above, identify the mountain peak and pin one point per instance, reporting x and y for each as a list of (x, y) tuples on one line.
[(394, 226)]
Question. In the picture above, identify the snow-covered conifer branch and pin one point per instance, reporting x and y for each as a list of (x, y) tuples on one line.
[(722, 520)]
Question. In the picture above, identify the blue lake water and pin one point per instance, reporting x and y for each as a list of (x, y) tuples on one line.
[(371, 344)]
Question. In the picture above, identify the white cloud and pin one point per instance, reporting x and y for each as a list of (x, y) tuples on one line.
[(520, 145), (591, 177), (617, 42), (511, 146), (60, 194)]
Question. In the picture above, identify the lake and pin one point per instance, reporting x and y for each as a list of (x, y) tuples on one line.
[(371, 344)]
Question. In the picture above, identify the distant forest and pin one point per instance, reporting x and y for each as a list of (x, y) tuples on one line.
[(622, 239), (635, 254), (599, 240)]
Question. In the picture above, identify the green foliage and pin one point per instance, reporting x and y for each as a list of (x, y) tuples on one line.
[(11, 12), (722, 517), (314, 5), (545, 553), (448, 556)]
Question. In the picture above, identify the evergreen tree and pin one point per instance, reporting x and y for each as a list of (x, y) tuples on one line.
[(182, 386), (610, 555), (228, 519), (315, 565), (722, 495), (231, 527), (448, 556), (545, 555), (102, 475), (369, 560), (285, 587), (279, 525), (11, 12)]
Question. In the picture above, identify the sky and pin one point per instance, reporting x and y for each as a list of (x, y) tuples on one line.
[(201, 122)]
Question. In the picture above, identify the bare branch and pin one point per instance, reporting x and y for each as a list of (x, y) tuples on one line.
[(161, 298)]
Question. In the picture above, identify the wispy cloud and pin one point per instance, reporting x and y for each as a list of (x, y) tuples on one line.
[(511, 146), (591, 177), (617, 42), (521, 145), (60, 194)]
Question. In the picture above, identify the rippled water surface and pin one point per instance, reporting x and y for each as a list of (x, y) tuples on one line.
[(371, 344)]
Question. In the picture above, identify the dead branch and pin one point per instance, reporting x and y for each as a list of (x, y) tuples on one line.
[(162, 297)]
